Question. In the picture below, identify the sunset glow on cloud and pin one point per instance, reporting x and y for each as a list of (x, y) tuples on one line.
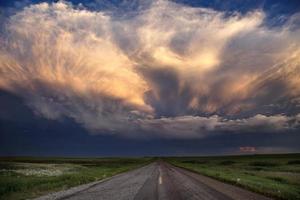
[(168, 70)]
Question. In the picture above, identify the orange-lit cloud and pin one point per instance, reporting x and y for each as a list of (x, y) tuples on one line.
[(247, 149), (187, 71)]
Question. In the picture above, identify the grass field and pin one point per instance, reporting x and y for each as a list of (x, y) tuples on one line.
[(23, 178), (277, 176)]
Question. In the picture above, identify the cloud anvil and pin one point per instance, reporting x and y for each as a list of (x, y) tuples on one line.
[(166, 70)]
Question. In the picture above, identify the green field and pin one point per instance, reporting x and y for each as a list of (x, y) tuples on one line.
[(24, 177), (277, 176)]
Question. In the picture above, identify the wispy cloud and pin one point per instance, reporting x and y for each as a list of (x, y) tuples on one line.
[(167, 70)]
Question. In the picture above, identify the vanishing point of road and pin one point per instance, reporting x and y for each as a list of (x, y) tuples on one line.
[(160, 181)]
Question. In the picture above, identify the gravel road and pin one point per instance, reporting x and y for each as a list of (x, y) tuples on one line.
[(157, 181)]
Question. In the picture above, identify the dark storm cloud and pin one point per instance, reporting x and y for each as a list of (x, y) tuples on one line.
[(162, 70), (35, 136), (167, 96)]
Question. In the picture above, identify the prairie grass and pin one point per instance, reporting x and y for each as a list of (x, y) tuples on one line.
[(276, 176), (25, 178)]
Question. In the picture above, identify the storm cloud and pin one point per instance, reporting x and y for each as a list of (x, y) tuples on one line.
[(166, 70)]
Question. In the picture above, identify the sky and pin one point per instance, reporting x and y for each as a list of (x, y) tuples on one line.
[(149, 77)]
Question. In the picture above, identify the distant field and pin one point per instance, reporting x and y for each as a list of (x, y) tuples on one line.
[(277, 176), (23, 178)]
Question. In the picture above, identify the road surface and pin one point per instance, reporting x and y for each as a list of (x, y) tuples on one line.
[(161, 181)]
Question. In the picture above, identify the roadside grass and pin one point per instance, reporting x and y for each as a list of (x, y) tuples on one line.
[(276, 176), (25, 178)]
